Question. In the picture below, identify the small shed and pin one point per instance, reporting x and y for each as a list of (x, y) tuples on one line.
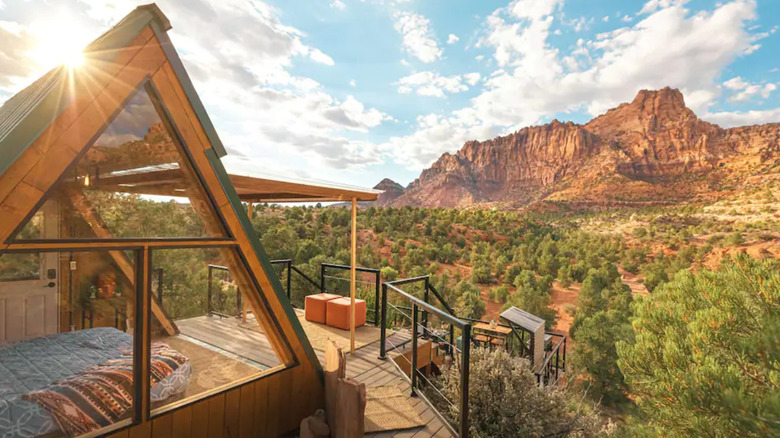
[(519, 319)]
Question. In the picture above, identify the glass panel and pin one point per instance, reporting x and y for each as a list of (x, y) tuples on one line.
[(222, 343), (133, 182), (20, 267), (66, 344)]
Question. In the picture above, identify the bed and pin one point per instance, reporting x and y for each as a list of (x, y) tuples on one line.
[(32, 367)]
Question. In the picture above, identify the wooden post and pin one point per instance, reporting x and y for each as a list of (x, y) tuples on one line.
[(353, 279), (243, 310)]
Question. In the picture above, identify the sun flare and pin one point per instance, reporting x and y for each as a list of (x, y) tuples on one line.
[(56, 47)]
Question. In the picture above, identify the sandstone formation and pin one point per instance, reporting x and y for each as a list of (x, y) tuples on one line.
[(652, 150)]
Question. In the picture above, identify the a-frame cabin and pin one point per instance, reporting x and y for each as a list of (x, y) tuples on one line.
[(89, 344)]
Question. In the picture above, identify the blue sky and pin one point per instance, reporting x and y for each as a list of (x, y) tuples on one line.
[(358, 90)]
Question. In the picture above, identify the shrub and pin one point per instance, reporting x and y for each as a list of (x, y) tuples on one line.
[(388, 273), (505, 401), (735, 239)]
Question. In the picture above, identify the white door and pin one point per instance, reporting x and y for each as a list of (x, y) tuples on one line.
[(29, 303)]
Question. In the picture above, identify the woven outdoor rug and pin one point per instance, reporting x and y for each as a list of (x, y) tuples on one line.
[(387, 408)]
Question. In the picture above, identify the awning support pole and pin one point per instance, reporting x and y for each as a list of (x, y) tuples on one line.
[(249, 213), (353, 276)]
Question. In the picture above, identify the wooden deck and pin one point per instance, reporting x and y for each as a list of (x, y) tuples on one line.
[(227, 334), (364, 366)]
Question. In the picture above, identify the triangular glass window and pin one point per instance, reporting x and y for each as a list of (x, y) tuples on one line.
[(134, 182)]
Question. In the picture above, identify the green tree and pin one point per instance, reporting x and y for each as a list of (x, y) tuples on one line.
[(705, 360), (469, 303), (533, 296)]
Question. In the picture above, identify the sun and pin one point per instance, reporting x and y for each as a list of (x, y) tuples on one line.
[(74, 59), (56, 46)]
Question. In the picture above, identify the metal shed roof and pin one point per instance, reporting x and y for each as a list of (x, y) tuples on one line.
[(528, 322)]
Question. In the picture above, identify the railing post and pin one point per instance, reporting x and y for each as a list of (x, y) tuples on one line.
[(453, 347), (322, 278), (414, 348), (289, 278), (160, 285), (238, 303), (383, 325), (564, 354), (425, 311), (209, 309), (464, 383), (376, 298)]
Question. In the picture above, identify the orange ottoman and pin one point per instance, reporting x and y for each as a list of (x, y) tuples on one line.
[(315, 307), (338, 313)]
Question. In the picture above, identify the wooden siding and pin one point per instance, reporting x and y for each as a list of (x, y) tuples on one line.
[(250, 410)]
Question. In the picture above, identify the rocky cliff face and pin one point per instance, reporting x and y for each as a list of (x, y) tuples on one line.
[(391, 191), (652, 149)]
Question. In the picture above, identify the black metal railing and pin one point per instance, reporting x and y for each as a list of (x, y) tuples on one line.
[(554, 366), (218, 308), (420, 307)]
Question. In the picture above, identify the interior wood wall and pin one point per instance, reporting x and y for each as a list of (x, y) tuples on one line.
[(268, 407)]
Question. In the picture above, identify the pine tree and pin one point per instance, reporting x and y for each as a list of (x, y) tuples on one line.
[(706, 358)]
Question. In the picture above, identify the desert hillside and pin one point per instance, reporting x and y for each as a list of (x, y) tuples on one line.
[(652, 150)]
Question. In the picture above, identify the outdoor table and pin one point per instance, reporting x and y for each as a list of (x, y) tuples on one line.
[(492, 336)]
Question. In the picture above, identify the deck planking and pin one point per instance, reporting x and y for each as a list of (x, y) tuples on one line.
[(364, 366)]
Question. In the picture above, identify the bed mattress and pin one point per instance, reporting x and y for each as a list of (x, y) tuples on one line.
[(36, 363)]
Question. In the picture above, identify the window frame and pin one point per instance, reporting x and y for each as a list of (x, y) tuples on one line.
[(142, 336), (147, 85), (143, 248)]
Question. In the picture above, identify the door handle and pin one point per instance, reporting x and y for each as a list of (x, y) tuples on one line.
[(51, 284)]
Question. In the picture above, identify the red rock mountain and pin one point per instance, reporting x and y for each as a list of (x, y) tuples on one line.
[(653, 149)]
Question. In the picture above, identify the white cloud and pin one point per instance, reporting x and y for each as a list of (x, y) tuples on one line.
[(352, 83), (472, 78), (605, 18), (418, 38), (428, 83), (744, 91), (536, 81), (317, 56), (627, 19), (655, 5), (533, 9), (239, 54), (452, 38), (338, 4), (743, 118)]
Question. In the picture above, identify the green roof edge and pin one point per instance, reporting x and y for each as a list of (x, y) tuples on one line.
[(189, 89)]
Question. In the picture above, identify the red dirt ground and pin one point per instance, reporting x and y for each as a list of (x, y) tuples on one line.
[(560, 297)]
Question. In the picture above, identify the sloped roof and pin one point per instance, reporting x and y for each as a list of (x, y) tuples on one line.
[(251, 184), (27, 114), (527, 321), (254, 183)]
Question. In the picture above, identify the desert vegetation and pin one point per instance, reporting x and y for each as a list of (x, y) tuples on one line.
[(672, 312)]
